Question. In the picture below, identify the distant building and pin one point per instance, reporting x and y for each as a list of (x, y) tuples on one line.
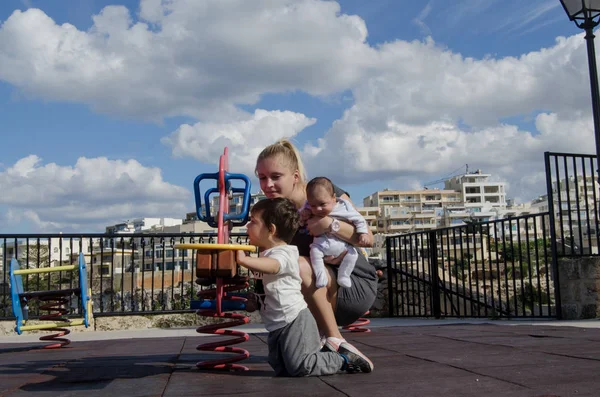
[(479, 195), (142, 225), (403, 211), (371, 214), (193, 225)]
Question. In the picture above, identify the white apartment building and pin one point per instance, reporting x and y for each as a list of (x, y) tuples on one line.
[(52, 251), (371, 214), (514, 223), (464, 198), (235, 203), (142, 225), (404, 211), (480, 196), (576, 201), (235, 207), (455, 215)]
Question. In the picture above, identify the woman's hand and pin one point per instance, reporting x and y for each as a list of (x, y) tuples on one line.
[(317, 226), (305, 214), (334, 260)]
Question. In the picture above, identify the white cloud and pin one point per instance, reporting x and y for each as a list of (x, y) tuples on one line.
[(425, 110), (245, 138), (422, 110), (92, 193), (461, 10), (184, 57), (421, 82), (420, 19), (527, 15), (419, 109)]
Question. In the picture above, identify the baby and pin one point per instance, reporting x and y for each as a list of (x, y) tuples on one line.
[(321, 201)]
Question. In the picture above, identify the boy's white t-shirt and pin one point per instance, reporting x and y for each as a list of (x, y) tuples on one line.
[(283, 296)]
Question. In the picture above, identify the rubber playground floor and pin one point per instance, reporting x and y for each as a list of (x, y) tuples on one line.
[(411, 358)]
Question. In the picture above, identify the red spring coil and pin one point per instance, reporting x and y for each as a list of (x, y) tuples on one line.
[(358, 325), (55, 307), (219, 294)]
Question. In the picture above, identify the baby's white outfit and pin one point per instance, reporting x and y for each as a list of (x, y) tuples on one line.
[(328, 244)]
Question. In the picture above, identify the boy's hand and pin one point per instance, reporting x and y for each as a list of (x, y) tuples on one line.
[(363, 239), (240, 257)]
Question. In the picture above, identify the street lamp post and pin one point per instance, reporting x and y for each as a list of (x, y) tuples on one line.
[(586, 15)]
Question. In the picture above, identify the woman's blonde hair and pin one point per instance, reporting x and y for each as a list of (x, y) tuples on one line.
[(290, 155)]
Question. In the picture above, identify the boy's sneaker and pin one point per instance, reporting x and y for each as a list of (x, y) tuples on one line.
[(355, 360), (331, 344)]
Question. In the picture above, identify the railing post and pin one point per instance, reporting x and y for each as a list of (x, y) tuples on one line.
[(553, 245), (434, 275), (390, 272)]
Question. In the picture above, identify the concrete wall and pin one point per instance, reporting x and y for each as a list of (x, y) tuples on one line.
[(579, 284)]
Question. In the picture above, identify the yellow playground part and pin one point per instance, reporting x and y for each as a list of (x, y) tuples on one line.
[(53, 302), (46, 270)]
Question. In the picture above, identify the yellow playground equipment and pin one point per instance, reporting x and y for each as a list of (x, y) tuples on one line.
[(54, 302)]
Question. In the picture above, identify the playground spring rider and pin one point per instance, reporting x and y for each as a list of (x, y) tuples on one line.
[(359, 325), (54, 302), (217, 263)]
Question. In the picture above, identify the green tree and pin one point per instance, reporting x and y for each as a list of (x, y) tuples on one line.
[(33, 256)]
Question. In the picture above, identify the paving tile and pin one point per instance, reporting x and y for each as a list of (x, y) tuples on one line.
[(455, 360), (580, 389), (535, 374), (252, 383), (419, 385), (10, 382), (130, 387)]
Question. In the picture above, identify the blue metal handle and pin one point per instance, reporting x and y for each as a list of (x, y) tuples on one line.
[(204, 218), (241, 218), (207, 217), (236, 219)]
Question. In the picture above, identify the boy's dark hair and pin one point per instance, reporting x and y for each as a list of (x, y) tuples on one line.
[(280, 212), (320, 181)]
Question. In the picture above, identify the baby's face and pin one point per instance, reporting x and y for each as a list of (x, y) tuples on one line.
[(321, 202)]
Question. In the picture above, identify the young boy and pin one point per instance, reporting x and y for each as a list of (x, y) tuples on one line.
[(294, 343), (321, 201)]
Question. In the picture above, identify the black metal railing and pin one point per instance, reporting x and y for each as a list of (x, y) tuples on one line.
[(128, 274), (499, 269), (572, 185)]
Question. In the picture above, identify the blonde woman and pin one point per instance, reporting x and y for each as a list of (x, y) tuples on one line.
[(280, 171)]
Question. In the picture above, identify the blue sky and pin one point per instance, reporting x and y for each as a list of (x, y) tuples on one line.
[(74, 87)]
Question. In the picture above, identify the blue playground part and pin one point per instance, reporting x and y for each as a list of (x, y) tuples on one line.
[(19, 304), (212, 304), (236, 219), (83, 285), (16, 284)]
